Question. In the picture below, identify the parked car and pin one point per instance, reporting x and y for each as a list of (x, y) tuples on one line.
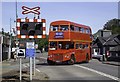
[(113, 56), (97, 56), (38, 51)]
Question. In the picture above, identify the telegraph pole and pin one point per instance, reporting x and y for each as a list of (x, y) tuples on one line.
[(10, 42), (2, 44), (17, 45)]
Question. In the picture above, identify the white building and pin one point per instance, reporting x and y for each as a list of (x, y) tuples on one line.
[(0, 47), (5, 49)]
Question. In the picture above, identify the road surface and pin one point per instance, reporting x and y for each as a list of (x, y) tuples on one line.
[(94, 70)]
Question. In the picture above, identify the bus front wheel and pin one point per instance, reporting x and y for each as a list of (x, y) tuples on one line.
[(72, 60), (50, 62)]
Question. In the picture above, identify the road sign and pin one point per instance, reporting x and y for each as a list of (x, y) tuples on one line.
[(30, 52), (21, 53), (30, 10), (30, 49), (30, 45), (36, 46)]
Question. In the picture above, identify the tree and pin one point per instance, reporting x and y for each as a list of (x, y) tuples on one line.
[(113, 25), (42, 42)]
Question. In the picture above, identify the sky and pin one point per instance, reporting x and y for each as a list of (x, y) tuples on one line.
[(93, 14)]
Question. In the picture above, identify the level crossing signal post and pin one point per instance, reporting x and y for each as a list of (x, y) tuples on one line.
[(30, 29)]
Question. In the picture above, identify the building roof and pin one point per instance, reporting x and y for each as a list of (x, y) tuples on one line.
[(94, 45), (100, 32), (112, 40), (102, 39), (110, 43), (98, 40)]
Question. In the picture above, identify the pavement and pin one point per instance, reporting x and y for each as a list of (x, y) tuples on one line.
[(9, 65), (10, 71), (115, 63), (14, 76), (109, 62)]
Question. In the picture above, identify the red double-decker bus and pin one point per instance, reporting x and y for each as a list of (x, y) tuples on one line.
[(69, 42)]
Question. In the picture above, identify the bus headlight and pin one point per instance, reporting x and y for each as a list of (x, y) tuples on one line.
[(50, 56), (66, 56)]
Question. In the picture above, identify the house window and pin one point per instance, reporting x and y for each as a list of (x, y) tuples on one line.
[(96, 50)]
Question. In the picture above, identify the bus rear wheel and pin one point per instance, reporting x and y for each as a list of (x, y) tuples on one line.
[(72, 60)]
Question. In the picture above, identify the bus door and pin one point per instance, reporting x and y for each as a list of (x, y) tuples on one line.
[(82, 52), (77, 53)]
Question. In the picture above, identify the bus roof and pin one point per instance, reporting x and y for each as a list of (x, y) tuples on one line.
[(60, 22)]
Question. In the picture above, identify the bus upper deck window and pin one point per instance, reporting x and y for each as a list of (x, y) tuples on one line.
[(88, 31), (71, 27), (54, 28), (82, 30), (77, 29), (63, 27)]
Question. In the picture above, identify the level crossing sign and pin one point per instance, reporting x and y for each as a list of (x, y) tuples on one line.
[(31, 10), (30, 49)]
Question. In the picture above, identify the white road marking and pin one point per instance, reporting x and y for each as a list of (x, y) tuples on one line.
[(38, 70), (27, 65), (98, 72), (43, 57)]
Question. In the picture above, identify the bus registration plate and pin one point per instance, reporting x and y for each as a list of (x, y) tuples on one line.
[(57, 61)]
